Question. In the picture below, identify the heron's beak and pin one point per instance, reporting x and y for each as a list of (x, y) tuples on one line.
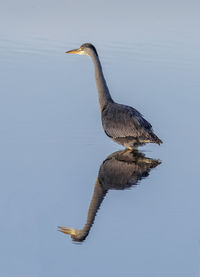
[(74, 51)]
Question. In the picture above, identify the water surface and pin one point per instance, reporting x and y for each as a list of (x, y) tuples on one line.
[(52, 143)]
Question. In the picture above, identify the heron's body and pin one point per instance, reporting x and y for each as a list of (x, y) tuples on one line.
[(118, 171), (126, 126), (123, 124)]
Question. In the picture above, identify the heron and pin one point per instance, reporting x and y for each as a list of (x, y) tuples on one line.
[(123, 124), (119, 171)]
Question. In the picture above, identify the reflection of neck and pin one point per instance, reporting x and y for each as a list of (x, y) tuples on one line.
[(98, 196), (103, 92)]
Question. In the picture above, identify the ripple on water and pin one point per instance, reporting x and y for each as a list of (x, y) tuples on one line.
[(170, 53)]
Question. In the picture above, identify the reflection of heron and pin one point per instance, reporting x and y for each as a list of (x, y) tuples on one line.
[(121, 123), (120, 170)]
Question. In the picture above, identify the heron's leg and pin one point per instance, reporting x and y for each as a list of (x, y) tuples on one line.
[(131, 148)]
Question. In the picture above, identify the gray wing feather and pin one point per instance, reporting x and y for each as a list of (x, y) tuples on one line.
[(122, 121)]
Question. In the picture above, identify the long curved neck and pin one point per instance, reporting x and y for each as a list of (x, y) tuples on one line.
[(98, 196), (103, 91)]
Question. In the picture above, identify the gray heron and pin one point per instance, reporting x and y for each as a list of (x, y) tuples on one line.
[(123, 124), (120, 170)]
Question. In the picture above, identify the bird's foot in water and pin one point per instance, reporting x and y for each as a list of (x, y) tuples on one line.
[(129, 148)]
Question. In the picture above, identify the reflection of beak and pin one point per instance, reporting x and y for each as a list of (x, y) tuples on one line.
[(74, 51), (68, 231)]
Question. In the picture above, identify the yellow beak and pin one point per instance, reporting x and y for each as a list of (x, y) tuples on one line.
[(74, 51)]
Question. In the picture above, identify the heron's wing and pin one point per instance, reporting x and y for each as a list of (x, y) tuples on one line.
[(123, 121)]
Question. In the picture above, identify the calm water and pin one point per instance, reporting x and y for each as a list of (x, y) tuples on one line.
[(52, 143)]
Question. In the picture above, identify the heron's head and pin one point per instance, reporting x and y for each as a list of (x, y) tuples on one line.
[(76, 234), (85, 49)]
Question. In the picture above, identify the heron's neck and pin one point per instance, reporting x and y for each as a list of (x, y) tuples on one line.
[(103, 91), (98, 196)]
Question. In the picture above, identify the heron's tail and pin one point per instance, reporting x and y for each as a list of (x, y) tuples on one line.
[(156, 139)]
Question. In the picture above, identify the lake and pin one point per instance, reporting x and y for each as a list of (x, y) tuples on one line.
[(54, 151)]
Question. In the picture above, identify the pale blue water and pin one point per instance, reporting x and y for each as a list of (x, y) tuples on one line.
[(52, 142)]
